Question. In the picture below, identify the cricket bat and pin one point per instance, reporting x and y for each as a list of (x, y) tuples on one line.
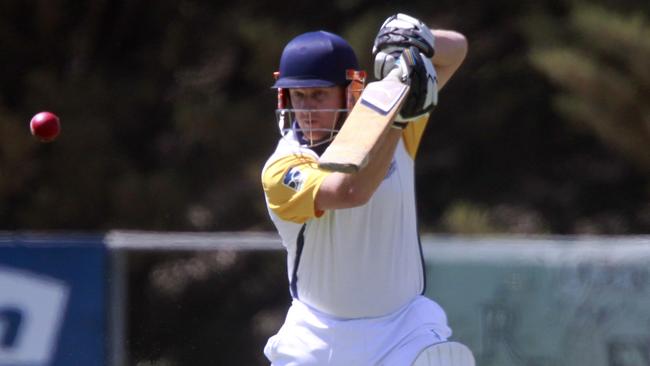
[(369, 119)]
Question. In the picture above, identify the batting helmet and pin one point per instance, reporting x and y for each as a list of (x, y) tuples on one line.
[(316, 60)]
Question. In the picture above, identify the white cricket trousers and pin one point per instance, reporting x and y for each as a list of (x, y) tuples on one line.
[(309, 337)]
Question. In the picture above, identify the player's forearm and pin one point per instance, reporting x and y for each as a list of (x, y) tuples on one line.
[(343, 190), (451, 49), (368, 179)]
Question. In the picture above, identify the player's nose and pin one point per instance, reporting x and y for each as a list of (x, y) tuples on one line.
[(309, 103)]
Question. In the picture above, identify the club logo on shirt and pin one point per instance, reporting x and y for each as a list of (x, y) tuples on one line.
[(294, 178)]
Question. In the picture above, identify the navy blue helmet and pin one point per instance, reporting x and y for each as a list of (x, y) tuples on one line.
[(316, 60)]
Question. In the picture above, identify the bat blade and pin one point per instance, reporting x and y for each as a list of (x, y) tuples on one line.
[(367, 122)]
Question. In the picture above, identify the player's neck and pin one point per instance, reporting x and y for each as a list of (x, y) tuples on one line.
[(320, 148)]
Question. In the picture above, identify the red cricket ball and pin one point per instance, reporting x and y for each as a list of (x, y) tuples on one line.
[(45, 126)]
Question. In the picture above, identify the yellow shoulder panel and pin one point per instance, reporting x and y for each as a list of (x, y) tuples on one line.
[(412, 135), (291, 184)]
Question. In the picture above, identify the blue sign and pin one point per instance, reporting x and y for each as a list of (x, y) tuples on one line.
[(52, 300)]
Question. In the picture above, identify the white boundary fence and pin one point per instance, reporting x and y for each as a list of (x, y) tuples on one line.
[(514, 300)]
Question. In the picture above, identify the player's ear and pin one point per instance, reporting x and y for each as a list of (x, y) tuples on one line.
[(343, 96), (287, 98)]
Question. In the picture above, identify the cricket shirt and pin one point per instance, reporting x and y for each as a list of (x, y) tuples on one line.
[(358, 262)]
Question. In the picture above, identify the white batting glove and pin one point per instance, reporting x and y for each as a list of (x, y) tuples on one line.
[(416, 70), (402, 31)]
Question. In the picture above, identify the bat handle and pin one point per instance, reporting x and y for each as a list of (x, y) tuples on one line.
[(397, 74), (404, 65)]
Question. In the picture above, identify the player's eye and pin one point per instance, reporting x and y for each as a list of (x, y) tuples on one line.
[(297, 96), (318, 96)]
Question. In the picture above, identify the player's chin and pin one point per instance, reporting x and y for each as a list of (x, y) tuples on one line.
[(315, 138)]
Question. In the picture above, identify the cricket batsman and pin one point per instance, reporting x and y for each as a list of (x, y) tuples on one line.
[(354, 260)]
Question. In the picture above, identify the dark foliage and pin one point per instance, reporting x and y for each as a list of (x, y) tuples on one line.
[(168, 117)]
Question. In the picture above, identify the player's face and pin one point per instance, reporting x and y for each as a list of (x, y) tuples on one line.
[(316, 107)]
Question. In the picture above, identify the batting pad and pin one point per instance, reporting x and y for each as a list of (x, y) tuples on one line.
[(445, 354)]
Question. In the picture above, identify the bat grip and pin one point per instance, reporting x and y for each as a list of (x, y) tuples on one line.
[(396, 74), (403, 65)]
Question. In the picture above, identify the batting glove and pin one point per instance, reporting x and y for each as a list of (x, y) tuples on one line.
[(402, 31), (417, 71)]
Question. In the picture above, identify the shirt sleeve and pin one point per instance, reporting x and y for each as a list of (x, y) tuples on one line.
[(291, 184), (412, 135)]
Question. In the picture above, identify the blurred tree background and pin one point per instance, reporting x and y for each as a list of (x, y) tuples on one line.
[(168, 117)]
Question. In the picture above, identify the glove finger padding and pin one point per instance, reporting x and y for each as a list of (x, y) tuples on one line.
[(423, 95), (385, 62), (403, 31), (419, 73)]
